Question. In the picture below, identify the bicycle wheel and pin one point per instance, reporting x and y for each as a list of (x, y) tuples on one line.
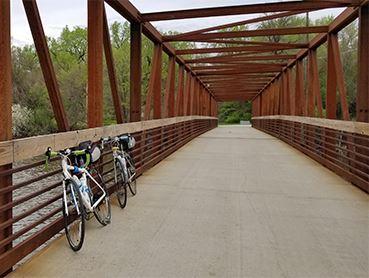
[(74, 222), (103, 211), (121, 185), (131, 171)]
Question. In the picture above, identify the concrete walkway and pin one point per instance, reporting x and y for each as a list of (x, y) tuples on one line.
[(234, 202)]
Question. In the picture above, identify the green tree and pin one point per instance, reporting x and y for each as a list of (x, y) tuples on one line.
[(234, 112)]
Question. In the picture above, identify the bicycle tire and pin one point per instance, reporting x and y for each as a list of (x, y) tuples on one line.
[(102, 218), (71, 218), (121, 185), (131, 171)]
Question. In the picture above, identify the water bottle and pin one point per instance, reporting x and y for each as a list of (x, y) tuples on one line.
[(85, 193)]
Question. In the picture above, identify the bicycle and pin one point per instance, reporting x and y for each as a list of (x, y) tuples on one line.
[(124, 166), (78, 198)]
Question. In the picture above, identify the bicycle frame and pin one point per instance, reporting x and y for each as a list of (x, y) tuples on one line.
[(67, 176), (121, 156)]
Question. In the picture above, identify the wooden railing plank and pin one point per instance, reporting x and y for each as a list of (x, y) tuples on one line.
[(25, 148), (348, 126)]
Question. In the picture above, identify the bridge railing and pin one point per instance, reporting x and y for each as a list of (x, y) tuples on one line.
[(341, 146), (35, 195)]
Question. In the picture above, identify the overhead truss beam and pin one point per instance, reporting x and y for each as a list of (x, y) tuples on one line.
[(244, 9)]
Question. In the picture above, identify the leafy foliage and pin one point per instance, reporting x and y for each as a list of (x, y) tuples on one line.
[(234, 112), (69, 56)]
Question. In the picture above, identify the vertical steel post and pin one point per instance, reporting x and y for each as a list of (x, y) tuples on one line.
[(169, 88), (290, 107), (154, 90), (311, 81), (95, 63), (339, 76), (157, 83), (331, 83), (186, 92), (135, 72), (180, 90), (192, 96), (299, 90), (6, 100), (362, 102), (316, 83)]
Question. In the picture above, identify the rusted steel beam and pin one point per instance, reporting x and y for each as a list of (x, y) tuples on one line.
[(242, 9), (241, 49), (236, 95), (154, 89), (299, 89), (254, 33), (362, 99), (341, 21), (180, 92), (224, 99), (226, 58), (331, 106), (236, 85), (240, 75), (317, 92), (6, 96), (240, 80), (157, 89), (276, 92), (233, 55), (340, 78), (289, 93), (311, 88), (234, 63), (195, 96), (243, 66), (244, 77), (128, 11), (239, 71), (234, 92), (48, 72), (210, 105), (285, 106), (169, 89), (187, 93), (201, 92), (111, 72), (95, 63), (248, 43), (238, 23), (335, 80), (135, 72), (6, 93), (192, 96), (314, 94)]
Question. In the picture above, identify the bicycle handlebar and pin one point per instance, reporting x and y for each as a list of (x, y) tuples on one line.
[(50, 153)]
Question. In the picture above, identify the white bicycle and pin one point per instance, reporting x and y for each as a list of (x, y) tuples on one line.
[(124, 166), (79, 198)]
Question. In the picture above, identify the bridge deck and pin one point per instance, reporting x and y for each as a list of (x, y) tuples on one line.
[(232, 203)]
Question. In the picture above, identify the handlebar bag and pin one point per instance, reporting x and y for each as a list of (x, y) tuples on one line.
[(127, 142)]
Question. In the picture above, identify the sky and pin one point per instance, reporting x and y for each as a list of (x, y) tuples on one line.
[(56, 14)]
